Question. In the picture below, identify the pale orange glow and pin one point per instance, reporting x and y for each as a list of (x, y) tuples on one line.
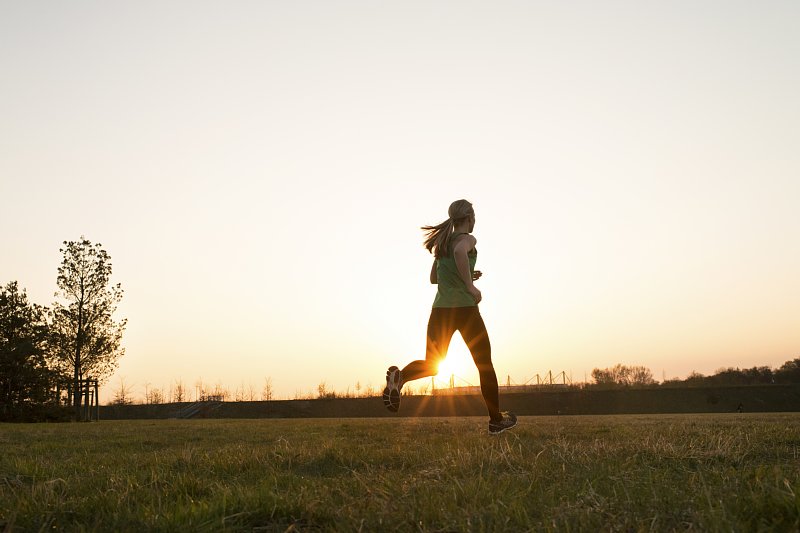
[(457, 364), (260, 191)]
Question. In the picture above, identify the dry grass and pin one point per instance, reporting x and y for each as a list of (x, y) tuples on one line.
[(632, 473)]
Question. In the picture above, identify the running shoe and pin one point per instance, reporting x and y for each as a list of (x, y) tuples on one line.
[(391, 394), (509, 421)]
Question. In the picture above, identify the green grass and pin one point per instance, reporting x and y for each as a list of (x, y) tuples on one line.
[(631, 473)]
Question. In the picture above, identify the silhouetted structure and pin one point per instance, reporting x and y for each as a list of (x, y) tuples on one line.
[(88, 394)]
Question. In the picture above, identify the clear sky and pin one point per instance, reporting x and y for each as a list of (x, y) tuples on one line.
[(258, 172)]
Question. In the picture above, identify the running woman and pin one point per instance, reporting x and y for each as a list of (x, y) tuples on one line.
[(455, 308)]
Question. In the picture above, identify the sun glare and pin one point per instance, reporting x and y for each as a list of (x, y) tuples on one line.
[(458, 363)]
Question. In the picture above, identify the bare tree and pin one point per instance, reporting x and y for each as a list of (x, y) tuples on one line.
[(199, 390), (220, 392), (156, 396), (238, 393), (245, 393), (266, 392), (623, 375), (641, 375), (180, 391), (122, 396)]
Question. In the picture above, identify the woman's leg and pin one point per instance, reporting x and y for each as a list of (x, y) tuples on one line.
[(473, 330), (441, 326)]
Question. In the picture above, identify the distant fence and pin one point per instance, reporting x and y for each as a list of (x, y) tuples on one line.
[(460, 386)]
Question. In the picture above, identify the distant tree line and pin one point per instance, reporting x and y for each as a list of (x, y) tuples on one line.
[(179, 392), (621, 375), (45, 353), (639, 376), (787, 373)]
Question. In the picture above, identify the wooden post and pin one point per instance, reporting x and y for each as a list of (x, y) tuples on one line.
[(88, 391), (86, 399)]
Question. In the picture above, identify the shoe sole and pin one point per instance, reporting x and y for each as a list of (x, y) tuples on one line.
[(391, 394)]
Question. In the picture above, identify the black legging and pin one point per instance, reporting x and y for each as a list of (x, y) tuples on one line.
[(445, 321)]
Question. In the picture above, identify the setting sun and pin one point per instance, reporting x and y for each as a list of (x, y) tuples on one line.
[(459, 364)]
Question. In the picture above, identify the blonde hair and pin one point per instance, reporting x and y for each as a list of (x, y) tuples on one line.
[(437, 238)]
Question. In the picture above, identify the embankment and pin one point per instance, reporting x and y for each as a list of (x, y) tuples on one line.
[(766, 398)]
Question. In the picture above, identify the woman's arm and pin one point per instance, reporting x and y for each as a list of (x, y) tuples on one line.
[(434, 277), (462, 248)]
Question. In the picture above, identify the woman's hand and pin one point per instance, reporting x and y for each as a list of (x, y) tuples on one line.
[(476, 293), (477, 275)]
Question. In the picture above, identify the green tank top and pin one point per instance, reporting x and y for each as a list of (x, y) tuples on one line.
[(452, 292)]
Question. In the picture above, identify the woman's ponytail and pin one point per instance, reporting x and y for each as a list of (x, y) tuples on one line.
[(437, 238)]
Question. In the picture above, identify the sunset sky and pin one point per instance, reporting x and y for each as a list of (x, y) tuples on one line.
[(258, 172)]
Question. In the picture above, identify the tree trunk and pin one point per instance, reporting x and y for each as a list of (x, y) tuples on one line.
[(76, 387), (77, 390)]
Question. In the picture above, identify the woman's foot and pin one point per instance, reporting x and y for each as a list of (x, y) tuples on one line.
[(508, 421), (391, 394)]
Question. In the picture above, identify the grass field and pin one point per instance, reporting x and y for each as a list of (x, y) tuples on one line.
[(737, 472)]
